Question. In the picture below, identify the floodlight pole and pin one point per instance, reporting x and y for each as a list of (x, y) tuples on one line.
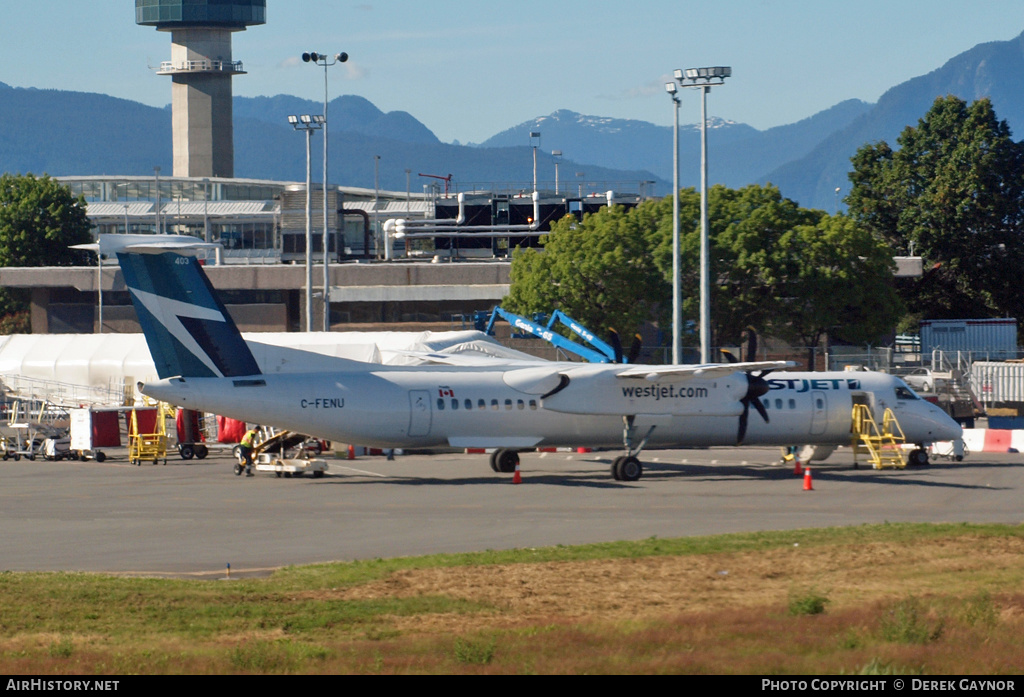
[(534, 134), (677, 311), (308, 124), (326, 61), (705, 79)]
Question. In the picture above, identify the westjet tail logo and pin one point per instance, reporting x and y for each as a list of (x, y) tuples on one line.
[(169, 312)]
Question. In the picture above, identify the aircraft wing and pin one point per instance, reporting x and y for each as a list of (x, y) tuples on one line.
[(467, 359), (707, 370)]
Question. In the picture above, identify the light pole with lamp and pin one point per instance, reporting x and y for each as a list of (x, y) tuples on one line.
[(557, 155), (326, 61), (156, 174), (534, 134), (308, 124), (206, 210), (704, 79), (677, 311), (376, 210)]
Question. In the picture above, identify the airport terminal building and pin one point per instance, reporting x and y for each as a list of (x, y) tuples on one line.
[(376, 278)]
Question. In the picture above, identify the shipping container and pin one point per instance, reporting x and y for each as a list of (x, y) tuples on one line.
[(992, 339), (997, 382)]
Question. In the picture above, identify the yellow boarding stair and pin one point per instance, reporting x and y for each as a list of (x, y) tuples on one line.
[(148, 446), (883, 445)]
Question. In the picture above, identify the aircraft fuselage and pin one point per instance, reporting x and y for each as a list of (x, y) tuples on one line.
[(490, 407)]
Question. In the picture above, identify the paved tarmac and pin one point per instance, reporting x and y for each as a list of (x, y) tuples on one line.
[(195, 518)]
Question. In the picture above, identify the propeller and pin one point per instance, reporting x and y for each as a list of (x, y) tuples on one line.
[(634, 349), (613, 339), (751, 344), (757, 387)]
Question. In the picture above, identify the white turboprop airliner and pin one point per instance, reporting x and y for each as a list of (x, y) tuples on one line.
[(204, 364)]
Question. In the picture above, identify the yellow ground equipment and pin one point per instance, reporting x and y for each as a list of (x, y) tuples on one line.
[(883, 444), (269, 455), (148, 446)]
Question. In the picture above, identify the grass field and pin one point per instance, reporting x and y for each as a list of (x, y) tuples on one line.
[(906, 598)]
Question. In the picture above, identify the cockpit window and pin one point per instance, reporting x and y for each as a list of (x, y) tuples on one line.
[(905, 393)]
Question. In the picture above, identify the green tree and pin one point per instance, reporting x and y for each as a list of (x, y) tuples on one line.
[(831, 276), (599, 271), (952, 192), (784, 270), (777, 267), (39, 220)]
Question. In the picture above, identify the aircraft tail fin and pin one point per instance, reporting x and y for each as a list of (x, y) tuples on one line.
[(187, 327)]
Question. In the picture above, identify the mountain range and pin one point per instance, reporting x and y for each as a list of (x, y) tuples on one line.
[(76, 133)]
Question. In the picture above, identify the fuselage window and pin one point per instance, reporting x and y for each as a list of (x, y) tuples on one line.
[(792, 404), (767, 403), (481, 404), (533, 403), (494, 404), (778, 402), (440, 403), (455, 403), (520, 404), (820, 403), (508, 403), (469, 402)]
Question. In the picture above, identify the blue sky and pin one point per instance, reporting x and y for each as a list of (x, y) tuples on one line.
[(470, 69)]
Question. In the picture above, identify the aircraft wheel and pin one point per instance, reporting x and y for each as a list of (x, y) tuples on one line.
[(918, 458), (507, 461), (616, 464), (495, 456), (629, 469)]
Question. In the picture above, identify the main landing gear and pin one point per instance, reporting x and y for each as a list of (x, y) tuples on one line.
[(504, 460), (627, 468)]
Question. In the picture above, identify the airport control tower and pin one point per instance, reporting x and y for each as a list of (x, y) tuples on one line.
[(201, 69)]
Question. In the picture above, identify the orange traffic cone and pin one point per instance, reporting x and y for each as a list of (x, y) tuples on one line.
[(808, 486), (516, 478), (351, 452)]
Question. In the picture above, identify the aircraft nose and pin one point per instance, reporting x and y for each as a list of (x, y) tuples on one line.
[(941, 426)]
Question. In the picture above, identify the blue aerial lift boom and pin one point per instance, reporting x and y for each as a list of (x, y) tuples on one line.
[(603, 352)]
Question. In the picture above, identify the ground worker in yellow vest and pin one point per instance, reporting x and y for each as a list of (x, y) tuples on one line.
[(245, 448)]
